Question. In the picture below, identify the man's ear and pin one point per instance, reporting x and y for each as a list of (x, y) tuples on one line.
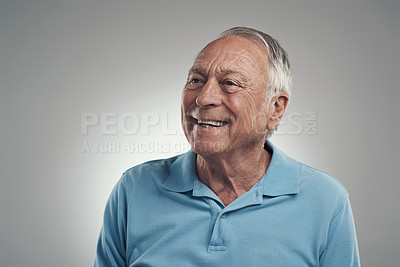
[(276, 109)]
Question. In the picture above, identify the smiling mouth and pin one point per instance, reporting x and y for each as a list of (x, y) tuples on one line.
[(209, 123)]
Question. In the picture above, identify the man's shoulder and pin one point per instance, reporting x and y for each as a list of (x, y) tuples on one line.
[(321, 183), (317, 175), (149, 173), (310, 180), (152, 167), (155, 165)]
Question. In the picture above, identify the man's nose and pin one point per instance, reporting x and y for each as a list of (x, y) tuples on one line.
[(210, 95)]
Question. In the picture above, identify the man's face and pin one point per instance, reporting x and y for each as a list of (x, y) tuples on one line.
[(223, 102)]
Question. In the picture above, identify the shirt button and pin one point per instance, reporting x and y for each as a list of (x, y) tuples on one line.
[(223, 215)]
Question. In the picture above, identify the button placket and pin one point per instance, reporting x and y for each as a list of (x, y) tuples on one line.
[(219, 235), (218, 240)]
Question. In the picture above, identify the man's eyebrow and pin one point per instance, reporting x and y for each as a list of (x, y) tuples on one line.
[(197, 70), (226, 72)]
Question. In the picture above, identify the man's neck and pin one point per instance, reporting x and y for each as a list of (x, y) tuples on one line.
[(230, 176)]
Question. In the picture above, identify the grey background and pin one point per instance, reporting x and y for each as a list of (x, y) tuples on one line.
[(60, 59)]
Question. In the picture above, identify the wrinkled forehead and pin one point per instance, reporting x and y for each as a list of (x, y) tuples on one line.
[(236, 42), (234, 51)]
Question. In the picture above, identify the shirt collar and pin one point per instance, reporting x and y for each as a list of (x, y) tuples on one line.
[(183, 173), (282, 176)]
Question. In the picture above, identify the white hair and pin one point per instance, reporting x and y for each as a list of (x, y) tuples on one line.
[(279, 75)]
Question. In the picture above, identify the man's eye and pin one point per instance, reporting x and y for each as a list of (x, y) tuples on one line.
[(230, 83), (230, 86), (194, 81)]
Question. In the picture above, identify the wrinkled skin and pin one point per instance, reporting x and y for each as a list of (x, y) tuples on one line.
[(225, 116)]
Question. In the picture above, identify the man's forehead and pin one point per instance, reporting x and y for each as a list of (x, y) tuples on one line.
[(226, 54), (222, 71), (235, 44), (230, 51), (223, 63)]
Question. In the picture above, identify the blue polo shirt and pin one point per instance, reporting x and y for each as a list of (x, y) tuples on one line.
[(161, 214)]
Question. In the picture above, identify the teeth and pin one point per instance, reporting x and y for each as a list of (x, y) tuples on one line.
[(212, 123)]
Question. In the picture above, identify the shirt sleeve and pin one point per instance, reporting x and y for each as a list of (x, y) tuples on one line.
[(111, 247), (342, 248)]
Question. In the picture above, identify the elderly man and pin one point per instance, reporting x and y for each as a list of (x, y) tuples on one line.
[(234, 199)]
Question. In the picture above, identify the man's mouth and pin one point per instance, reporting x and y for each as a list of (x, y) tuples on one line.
[(210, 123)]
